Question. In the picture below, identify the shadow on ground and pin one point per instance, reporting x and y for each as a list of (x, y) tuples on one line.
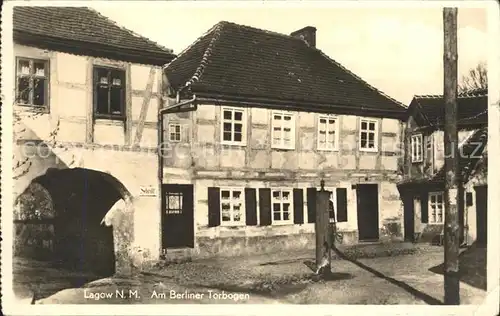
[(472, 267), (277, 287), (41, 279), (280, 288), (416, 293), (280, 262)]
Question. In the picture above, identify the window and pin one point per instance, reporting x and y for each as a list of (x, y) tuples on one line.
[(174, 130), (283, 130), (233, 126), (282, 206), (109, 93), (368, 135), (332, 209), (416, 148), (173, 203), (436, 207), (327, 132), (232, 207), (32, 84)]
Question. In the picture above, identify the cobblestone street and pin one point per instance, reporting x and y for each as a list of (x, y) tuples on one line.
[(276, 278)]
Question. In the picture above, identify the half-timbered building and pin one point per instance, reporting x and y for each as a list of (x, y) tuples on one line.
[(86, 104), (273, 116), (422, 188)]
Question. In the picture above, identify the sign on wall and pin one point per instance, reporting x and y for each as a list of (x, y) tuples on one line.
[(148, 190)]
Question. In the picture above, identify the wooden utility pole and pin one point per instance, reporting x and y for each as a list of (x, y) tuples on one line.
[(451, 223), (323, 243)]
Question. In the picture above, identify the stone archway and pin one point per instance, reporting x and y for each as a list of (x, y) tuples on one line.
[(81, 199)]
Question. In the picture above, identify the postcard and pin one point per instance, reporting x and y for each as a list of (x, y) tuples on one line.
[(249, 157)]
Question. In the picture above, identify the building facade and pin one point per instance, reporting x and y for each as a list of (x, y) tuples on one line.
[(422, 189), (87, 98), (272, 116)]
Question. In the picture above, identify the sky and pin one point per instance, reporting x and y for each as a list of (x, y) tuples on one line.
[(398, 50)]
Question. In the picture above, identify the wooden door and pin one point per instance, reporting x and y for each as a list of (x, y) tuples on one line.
[(177, 216), (367, 201), (409, 217)]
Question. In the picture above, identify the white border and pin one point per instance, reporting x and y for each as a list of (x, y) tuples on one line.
[(490, 305)]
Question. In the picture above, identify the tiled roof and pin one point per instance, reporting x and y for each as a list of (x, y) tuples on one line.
[(84, 31), (472, 107), (246, 62)]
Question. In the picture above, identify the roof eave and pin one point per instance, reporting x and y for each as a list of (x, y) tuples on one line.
[(297, 105), (91, 49)]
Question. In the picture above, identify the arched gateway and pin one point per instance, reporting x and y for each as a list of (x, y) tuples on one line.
[(67, 207)]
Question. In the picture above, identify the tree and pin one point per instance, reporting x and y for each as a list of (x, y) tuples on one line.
[(476, 78), (22, 165)]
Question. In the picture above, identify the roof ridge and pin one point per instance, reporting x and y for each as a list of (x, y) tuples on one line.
[(428, 96), (169, 50), (185, 50), (217, 28), (288, 36), (359, 78), (464, 95), (208, 52)]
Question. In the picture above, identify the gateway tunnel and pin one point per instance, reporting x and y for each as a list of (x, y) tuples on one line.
[(63, 211)]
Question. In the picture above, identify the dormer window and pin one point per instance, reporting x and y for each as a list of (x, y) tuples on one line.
[(416, 148)]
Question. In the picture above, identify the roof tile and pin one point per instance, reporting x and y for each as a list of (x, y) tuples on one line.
[(472, 107), (82, 25), (236, 60)]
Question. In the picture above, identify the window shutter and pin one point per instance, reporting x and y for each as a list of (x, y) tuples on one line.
[(468, 199), (424, 207), (251, 206), (298, 206), (213, 207), (311, 205), (341, 205), (265, 206)]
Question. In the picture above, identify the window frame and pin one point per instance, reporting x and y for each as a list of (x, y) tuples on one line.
[(232, 142), (336, 131), (413, 143), (46, 104), (170, 125), (290, 208), (166, 206), (430, 219), (95, 83), (233, 223), (281, 145), (368, 131)]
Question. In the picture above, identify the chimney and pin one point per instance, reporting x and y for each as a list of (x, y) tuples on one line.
[(307, 34)]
